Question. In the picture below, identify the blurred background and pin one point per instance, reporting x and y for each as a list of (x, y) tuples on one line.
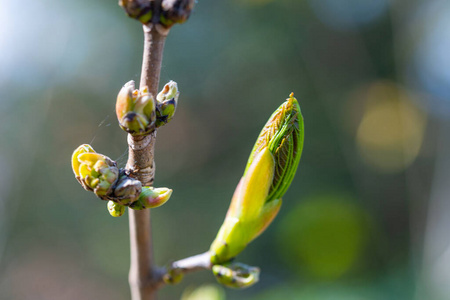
[(367, 216)]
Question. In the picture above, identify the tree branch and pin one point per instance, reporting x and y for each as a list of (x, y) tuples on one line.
[(175, 271), (145, 277), (193, 263), (143, 272)]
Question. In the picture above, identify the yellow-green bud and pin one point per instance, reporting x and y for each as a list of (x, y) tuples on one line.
[(173, 276), (85, 148), (270, 169), (135, 110), (283, 135), (151, 198), (236, 275), (115, 209), (169, 91), (95, 172), (141, 10), (167, 103), (175, 11)]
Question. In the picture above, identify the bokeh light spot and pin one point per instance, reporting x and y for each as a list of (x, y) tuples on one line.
[(204, 292), (324, 236), (390, 134)]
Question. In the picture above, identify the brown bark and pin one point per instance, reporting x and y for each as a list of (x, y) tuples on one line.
[(144, 274)]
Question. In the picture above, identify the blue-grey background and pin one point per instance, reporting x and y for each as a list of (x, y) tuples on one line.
[(367, 215)]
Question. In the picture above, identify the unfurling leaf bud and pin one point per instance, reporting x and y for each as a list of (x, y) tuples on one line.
[(94, 171), (270, 169), (167, 101), (85, 148), (141, 10), (236, 275), (175, 11), (283, 135), (151, 198), (135, 110), (115, 209)]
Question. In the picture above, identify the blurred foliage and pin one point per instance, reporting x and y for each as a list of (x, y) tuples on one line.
[(372, 79), (204, 292)]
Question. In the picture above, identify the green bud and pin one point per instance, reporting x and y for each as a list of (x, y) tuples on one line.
[(169, 91), (236, 275), (283, 135), (141, 10), (175, 11), (270, 169), (135, 110), (151, 198), (115, 209), (173, 276), (167, 103), (94, 171)]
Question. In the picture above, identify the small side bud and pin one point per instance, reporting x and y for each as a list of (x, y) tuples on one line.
[(135, 110), (236, 275), (169, 91), (167, 103), (175, 11), (173, 276), (115, 209), (151, 198), (141, 10)]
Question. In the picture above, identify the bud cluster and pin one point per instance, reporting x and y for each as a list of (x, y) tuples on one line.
[(139, 113), (170, 11), (135, 110), (99, 174), (94, 171)]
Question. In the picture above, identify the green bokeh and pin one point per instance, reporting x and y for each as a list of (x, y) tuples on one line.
[(324, 236)]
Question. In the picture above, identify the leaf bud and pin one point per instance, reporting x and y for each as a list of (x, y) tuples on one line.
[(236, 275), (115, 209), (269, 172), (135, 110), (85, 148), (151, 198), (141, 10), (283, 135), (173, 276), (94, 171), (175, 11), (167, 101)]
